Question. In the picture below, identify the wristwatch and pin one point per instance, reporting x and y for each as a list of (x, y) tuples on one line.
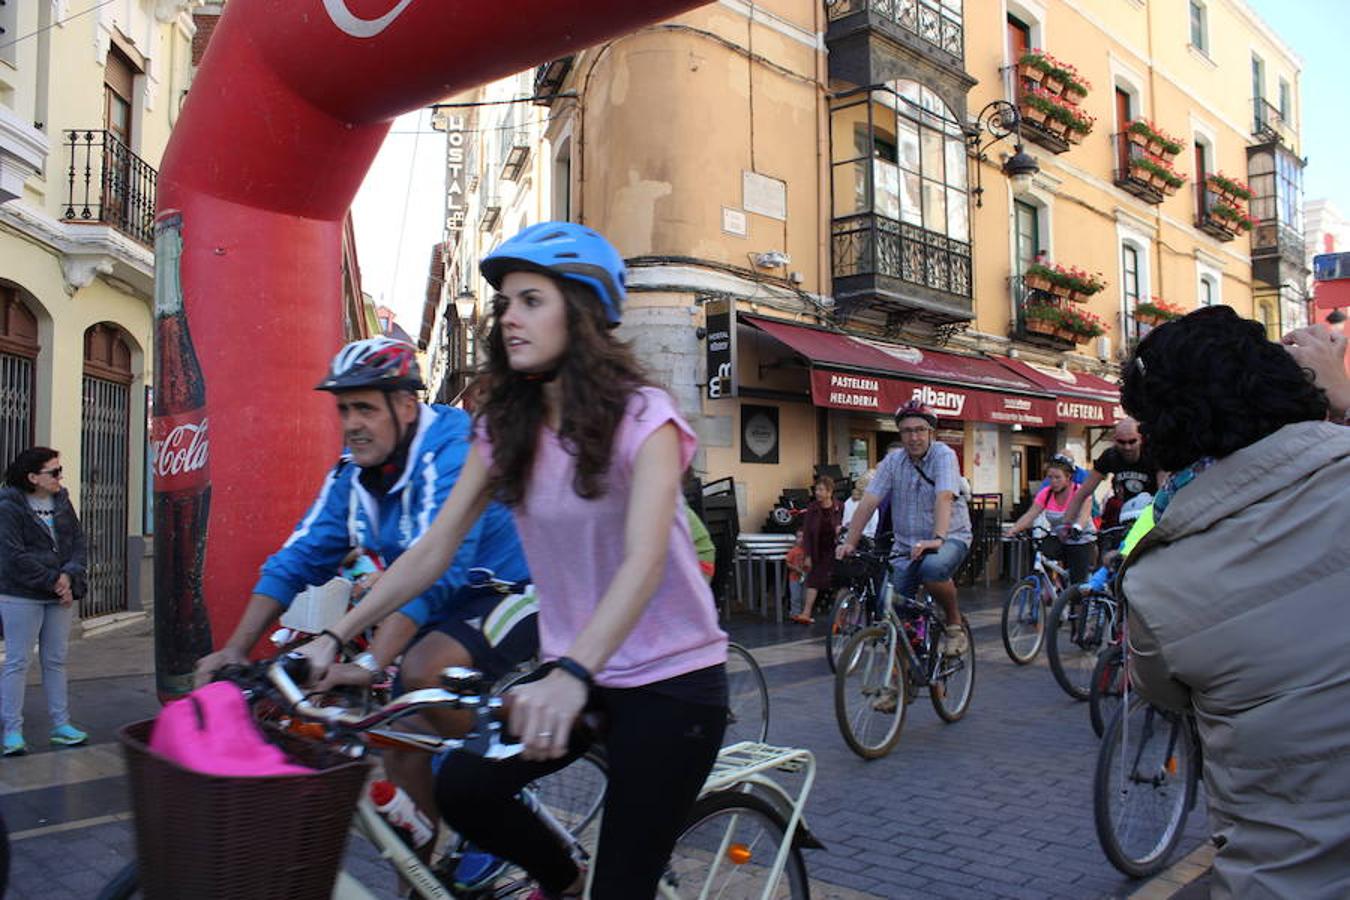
[(368, 662)]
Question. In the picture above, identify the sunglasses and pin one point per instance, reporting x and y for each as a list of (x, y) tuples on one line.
[(55, 473), (1130, 443)]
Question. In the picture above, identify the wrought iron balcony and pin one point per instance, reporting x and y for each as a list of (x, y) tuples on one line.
[(1023, 297), (1128, 177), (1268, 125), (924, 24), (1272, 237), (1207, 221), (881, 262), (108, 184), (515, 154), (549, 77)]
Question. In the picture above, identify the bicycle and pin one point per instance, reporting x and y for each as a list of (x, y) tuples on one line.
[(1145, 785), (737, 790), (1084, 619), (878, 675), (856, 602), (1024, 610)]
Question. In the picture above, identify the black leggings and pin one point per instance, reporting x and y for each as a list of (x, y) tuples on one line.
[(660, 751)]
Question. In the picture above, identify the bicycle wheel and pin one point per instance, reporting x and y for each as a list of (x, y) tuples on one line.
[(747, 698), (1024, 621), (574, 795), (727, 849), (953, 684), (1073, 640), (1108, 682), (850, 614), (869, 692), (1143, 788)]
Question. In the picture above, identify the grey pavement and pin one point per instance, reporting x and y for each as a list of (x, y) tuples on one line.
[(996, 805)]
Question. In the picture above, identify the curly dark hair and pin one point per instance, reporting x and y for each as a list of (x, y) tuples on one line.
[(1211, 383), (29, 462), (598, 375)]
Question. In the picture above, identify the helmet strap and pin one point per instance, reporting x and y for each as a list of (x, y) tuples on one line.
[(382, 476)]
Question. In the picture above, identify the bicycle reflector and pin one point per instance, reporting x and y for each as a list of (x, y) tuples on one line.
[(738, 854)]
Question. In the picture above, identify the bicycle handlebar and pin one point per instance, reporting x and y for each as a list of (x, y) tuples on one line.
[(487, 738)]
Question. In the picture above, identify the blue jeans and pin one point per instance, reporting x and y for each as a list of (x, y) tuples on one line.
[(28, 622), (940, 565)]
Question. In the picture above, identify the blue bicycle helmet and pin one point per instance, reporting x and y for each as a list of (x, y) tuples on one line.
[(566, 250)]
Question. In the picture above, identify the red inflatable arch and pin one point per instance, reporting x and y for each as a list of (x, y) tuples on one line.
[(292, 101)]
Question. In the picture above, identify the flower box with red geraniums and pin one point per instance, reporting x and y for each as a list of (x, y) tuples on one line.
[(1071, 283), (1083, 324), (1054, 113), (1052, 75), (1227, 186), (1043, 318), (1154, 139), (1156, 311)]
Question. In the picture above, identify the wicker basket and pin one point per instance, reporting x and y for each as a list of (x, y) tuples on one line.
[(207, 836)]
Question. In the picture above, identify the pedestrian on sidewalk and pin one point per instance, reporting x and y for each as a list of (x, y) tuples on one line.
[(43, 574), (821, 527)]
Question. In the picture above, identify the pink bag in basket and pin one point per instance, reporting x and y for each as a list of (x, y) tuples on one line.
[(210, 731)]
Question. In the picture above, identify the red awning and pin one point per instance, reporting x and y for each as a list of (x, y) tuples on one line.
[(850, 372), (1079, 396)]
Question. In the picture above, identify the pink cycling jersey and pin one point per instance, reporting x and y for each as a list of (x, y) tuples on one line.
[(575, 547)]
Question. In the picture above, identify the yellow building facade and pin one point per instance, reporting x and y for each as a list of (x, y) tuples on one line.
[(87, 100), (819, 219)]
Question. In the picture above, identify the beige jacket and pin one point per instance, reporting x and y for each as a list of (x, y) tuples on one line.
[(1240, 608)]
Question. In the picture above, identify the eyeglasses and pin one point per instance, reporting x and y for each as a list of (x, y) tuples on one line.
[(908, 432), (55, 473)]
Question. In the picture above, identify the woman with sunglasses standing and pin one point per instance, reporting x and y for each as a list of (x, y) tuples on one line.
[(588, 455), (42, 575)]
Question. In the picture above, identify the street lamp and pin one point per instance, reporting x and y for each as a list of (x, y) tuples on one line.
[(465, 305), (1001, 120)]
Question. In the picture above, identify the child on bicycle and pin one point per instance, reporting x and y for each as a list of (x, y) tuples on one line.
[(588, 456)]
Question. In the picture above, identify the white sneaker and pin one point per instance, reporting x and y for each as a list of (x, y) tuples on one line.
[(954, 641)]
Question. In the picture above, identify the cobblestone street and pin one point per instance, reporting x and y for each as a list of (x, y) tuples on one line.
[(997, 805)]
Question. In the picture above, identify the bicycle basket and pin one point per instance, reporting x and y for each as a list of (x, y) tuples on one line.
[(208, 836), (850, 571)]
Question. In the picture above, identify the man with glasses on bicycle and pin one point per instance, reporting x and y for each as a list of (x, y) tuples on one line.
[(1128, 462), (402, 459), (930, 519)]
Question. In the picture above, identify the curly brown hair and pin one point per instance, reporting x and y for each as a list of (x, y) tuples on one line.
[(598, 374)]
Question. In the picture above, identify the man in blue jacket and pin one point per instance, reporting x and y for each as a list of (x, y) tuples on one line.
[(402, 459)]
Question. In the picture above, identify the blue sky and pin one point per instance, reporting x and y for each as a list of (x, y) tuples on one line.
[(1319, 32)]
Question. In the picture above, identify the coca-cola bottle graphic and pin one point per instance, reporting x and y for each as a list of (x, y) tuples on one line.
[(182, 476)]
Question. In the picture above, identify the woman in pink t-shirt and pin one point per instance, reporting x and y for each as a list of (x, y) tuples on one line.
[(589, 456), (1049, 507)]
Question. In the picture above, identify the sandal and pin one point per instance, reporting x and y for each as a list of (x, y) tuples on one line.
[(801, 619)]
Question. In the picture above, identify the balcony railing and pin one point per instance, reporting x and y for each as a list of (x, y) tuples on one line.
[(872, 244), (1130, 178), (931, 21), (1024, 296), (1213, 225), (108, 184), (1268, 125), (1272, 237)]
